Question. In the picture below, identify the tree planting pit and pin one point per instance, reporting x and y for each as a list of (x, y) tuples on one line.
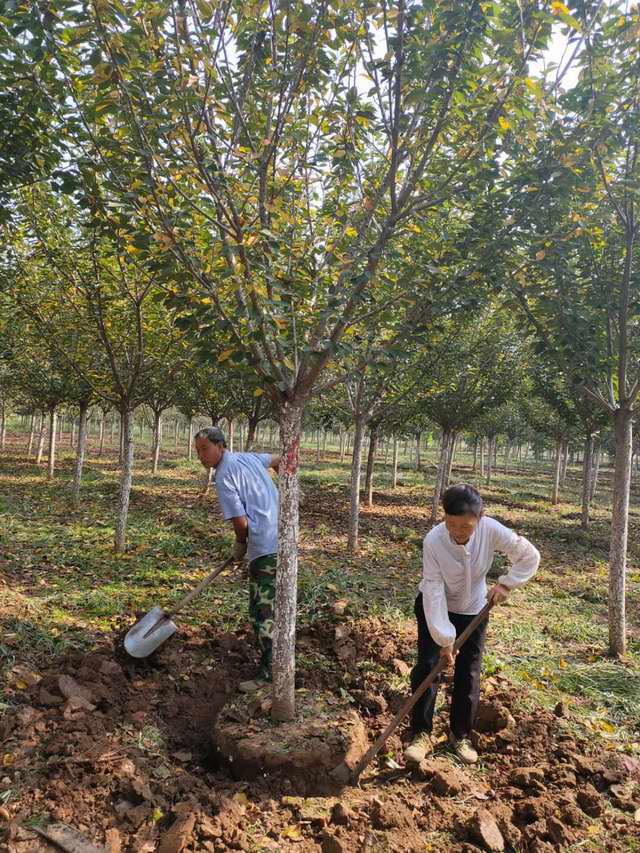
[(326, 733)]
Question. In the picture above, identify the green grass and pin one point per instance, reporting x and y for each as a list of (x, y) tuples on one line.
[(550, 639)]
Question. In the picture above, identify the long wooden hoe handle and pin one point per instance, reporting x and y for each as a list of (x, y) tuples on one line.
[(184, 602), (410, 701)]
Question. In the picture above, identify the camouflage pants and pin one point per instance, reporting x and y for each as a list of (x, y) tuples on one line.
[(262, 600)]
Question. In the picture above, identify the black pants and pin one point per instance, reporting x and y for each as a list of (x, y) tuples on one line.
[(466, 678)]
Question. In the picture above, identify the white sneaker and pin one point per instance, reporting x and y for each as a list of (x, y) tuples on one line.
[(463, 749), (419, 747)]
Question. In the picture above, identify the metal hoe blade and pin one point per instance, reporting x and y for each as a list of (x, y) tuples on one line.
[(149, 633)]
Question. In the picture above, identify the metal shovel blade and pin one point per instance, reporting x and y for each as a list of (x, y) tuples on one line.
[(149, 633)]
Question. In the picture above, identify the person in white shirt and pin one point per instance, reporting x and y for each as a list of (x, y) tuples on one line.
[(457, 555)]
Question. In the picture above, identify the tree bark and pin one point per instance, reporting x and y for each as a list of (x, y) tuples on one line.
[(157, 441), (72, 431), (251, 434), (555, 492), (32, 432), (475, 456), (394, 481), (371, 461), (230, 435), (451, 452), (102, 434), (53, 423), (80, 453), (284, 639), (122, 437), (342, 446), (418, 459), (623, 426), (40, 450), (587, 473), (317, 446), (482, 457), (440, 473), (356, 468), (190, 436), (507, 452), (490, 441), (126, 478), (565, 463), (595, 471), (176, 432), (3, 424)]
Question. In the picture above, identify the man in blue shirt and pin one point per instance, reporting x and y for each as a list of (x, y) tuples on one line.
[(249, 499)]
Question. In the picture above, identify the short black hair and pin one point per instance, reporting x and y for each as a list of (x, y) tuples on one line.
[(212, 434), (462, 499)]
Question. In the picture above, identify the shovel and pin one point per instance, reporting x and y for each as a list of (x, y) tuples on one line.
[(156, 626), (342, 774)]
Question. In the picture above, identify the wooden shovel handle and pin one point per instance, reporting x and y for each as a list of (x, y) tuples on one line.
[(410, 701), (184, 602)]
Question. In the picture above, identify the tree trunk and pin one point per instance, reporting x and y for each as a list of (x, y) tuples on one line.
[(41, 439), (394, 481), (126, 478), (53, 423), (251, 434), (176, 432), (102, 434), (284, 638), (595, 471), (418, 459), (565, 463), (342, 446), (555, 492), (32, 432), (371, 461), (507, 451), (80, 451), (3, 424), (482, 457), (475, 456), (440, 473), (490, 442), (72, 431), (587, 473), (623, 426), (157, 441), (190, 436), (317, 446), (451, 452), (230, 435), (122, 438), (356, 467)]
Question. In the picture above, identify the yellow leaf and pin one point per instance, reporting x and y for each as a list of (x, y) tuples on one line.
[(7, 759), (557, 8), (563, 664), (225, 354), (504, 124), (350, 232), (292, 833), (258, 392), (21, 685)]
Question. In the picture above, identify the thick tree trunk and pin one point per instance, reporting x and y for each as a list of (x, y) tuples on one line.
[(555, 491), (126, 478), (394, 481), (595, 471), (587, 473), (284, 640), (157, 441), (356, 468), (80, 452), (371, 461), (623, 426), (440, 473), (53, 424), (32, 432)]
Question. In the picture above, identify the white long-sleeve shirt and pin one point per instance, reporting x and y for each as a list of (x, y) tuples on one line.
[(454, 576)]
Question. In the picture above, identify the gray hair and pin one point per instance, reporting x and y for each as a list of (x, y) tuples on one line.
[(213, 434)]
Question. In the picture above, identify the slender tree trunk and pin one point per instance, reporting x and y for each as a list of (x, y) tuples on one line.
[(595, 471), (356, 468), (565, 463), (102, 434), (623, 426), (126, 478), (176, 432), (32, 432), (394, 482), (251, 435), (80, 452), (341, 447), (284, 640), (317, 446), (230, 435), (40, 451), (451, 452), (475, 455), (418, 459), (507, 452), (3, 424), (490, 441), (122, 436), (371, 461), (190, 436), (555, 492), (53, 424), (157, 441), (482, 457), (440, 473), (587, 465), (72, 431)]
